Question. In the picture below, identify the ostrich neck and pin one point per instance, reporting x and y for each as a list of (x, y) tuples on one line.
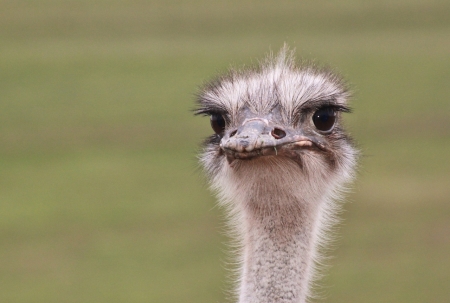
[(279, 248)]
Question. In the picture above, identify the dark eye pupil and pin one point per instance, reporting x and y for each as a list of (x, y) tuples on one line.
[(218, 124), (324, 119)]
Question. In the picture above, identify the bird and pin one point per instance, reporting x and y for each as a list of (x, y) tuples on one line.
[(279, 162)]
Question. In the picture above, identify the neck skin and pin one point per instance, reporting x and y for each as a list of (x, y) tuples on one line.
[(279, 247)]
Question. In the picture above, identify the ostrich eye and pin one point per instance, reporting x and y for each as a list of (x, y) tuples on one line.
[(324, 119), (218, 123)]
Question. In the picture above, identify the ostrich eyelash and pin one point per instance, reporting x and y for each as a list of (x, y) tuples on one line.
[(314, 105), (208, 112), (208, 109)]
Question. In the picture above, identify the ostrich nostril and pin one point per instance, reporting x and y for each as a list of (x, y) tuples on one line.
[(233, 133), (278, 133)]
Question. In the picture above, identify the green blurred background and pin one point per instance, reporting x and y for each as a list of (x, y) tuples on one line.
[(101, 198)]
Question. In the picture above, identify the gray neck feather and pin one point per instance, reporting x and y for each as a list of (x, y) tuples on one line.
[(278, 219), (278, 253)]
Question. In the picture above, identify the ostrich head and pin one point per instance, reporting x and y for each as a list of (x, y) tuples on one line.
[(278, 158)]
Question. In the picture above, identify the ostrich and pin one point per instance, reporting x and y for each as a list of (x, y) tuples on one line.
[(278, 160)]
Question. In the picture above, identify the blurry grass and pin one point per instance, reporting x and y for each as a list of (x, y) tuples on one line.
[(100, 197)]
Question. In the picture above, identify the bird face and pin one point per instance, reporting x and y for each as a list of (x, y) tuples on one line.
[(258, 135), (278, 112)]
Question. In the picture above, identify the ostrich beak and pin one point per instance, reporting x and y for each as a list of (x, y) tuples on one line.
[(258, 137)]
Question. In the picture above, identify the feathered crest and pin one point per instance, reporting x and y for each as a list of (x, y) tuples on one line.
[(276, 80)]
